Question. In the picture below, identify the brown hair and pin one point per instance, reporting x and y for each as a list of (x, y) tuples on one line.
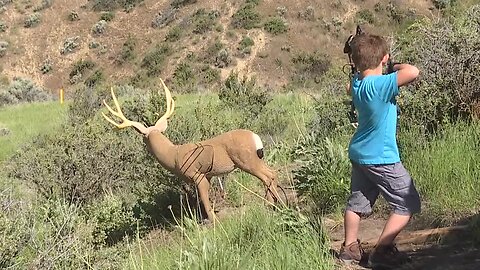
[(368, 51)]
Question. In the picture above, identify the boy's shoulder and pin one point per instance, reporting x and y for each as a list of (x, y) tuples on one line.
[(384, 84)]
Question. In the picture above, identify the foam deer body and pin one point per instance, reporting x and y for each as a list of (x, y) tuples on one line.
[(199, 162)]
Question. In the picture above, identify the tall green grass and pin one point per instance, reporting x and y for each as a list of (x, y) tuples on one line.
[(253, 239), (447, 170), (26, 121)]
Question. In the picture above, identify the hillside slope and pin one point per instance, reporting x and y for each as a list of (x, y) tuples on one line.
[(210, 42)]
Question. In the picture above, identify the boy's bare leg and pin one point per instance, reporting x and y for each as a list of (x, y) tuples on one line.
[(395, 224), (352, 222)]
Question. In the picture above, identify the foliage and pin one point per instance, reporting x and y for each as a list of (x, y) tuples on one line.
[(164, 18), (80, 69), (365, 16), (182, 3), (109, 5), (66, 165), (246, 17), (73, 16), (107, 16), (100, 27), (256, 239), (245, 43), (22, 90), (44, 4), (3, 26), (184, 75), (442, 4), (174, 34), (128, 51), (154, 60), (14, 225), (442, 94), (445, 168), (204, 21), (46, 66), (310, 66), (323, 175), (243, 95), (308, 14), (70, 44), (94, 79), (276, 26), (32, 20), (3, 48)]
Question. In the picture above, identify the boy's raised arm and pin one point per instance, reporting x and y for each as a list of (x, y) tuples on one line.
[(405, 73)]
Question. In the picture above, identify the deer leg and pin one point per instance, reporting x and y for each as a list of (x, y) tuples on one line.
[(203, 186), (269, 179)]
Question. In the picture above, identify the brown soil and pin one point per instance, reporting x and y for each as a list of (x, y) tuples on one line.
[(454, 250)]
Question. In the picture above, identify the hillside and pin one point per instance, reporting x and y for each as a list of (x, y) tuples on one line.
[(60, 43)]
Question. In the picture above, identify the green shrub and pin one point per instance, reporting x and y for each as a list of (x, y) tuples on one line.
[(182, 3), (22, 90), (109, 5), (80, 69), (3, 48), (442, 94), (310, 66), (209, 75), (70, 44), (246, 17), (203, 21), (184, 75), (15, 224), (46, 66), (3, 26), (44, 4), (94, 79), (66, 165), (128, 51), (245, 43), (164, 18), (153, 61), (100, 27), (323, 175), (365, 16), (243, 95), (308, 14), (32, 20), (107, 16), (276, 26), (174, 34), (442, 4), (73, 16)]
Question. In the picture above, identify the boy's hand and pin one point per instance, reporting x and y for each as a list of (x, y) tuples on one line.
[(405, 73)]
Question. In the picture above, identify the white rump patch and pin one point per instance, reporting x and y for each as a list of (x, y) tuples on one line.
[(258, 141)]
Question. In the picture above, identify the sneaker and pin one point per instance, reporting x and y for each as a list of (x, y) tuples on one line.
[(352, 253), (387, 257)]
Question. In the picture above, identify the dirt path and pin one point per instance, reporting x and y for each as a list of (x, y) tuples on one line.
[(452, 251)]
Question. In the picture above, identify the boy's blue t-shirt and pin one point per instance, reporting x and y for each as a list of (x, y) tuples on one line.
[(375, 142)]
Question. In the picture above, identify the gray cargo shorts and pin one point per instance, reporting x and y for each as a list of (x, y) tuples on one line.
[(392, 180)]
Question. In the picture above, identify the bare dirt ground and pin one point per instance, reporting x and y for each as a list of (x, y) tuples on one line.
[(454, 250)]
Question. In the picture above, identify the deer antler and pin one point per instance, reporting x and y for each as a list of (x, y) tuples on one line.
[(126, 123), (170, 107)]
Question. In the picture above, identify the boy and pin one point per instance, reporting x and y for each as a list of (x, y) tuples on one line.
[(373, 151)]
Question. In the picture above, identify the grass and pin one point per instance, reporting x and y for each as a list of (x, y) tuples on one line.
[(26, 121), (447, 171), (252, 239)]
